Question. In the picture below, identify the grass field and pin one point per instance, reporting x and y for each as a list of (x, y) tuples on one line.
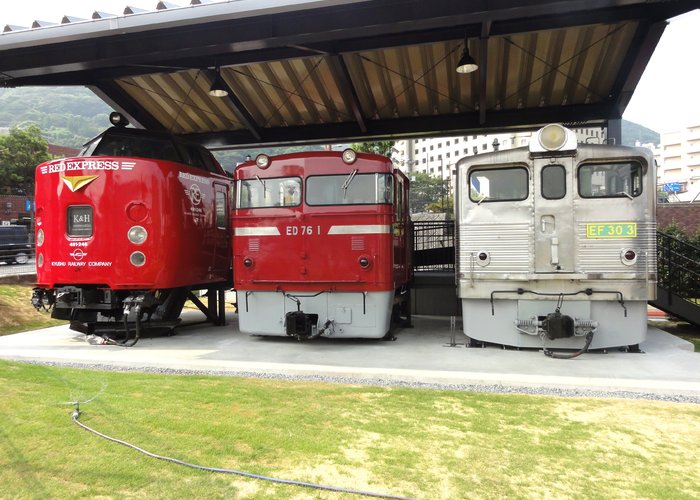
[(418, 443), (17, 313)]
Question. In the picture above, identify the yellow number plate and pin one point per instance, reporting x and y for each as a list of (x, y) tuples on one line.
[(612, 230)]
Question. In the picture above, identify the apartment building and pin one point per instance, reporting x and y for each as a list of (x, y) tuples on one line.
[(678, 159), (439, 156)]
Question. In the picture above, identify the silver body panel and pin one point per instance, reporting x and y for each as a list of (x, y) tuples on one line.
[(542, 247), (353, 315)]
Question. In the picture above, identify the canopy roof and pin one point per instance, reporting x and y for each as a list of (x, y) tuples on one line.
[(320, 71)]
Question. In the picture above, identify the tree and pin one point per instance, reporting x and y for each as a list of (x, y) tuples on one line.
[(20, 152), (430, 194), (379, 147)]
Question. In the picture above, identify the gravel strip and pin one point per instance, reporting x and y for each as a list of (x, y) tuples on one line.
[(566, 392)]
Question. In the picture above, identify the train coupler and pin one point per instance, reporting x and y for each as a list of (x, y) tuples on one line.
[(301, 325), (555, 326), (43, 299), (305, 326), (558, 326)]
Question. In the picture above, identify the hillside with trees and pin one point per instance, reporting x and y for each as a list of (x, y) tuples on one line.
[(67, 116), (633, 133)]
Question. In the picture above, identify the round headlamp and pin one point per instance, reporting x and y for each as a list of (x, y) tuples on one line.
[(262, 161), (117, 119), (364, 261), (552, 137), (137, 235), (628, 256), (138, 259), (349, 156)]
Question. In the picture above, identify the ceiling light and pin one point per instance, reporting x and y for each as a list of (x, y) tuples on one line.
[(218, 87), (466, 63)]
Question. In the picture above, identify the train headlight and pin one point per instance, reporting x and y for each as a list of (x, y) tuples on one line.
[(138, 259), (137, 235), (248, 262), (262, 161), (40, 260), (364, 262), (553, 137), (349, 156), (628, 256), (117, 119), (40, 237)]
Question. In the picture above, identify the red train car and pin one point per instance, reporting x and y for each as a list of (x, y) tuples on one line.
[(321, 245), (128, 228)]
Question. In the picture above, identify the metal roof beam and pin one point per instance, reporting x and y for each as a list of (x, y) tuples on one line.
[(348, 91), (121, 101), (638, 55), (427, 126), (483, 65), (240, 111)]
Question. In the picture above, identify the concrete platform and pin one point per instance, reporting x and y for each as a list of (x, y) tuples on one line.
[(419, 355)]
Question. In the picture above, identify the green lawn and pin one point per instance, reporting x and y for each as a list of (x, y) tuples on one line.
[(421, 443)]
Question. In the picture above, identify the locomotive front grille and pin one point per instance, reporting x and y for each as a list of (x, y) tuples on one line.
[(509, 246), (254, 245), (602, 255), (357, 243)]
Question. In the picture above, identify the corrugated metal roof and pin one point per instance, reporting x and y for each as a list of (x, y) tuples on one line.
[(321, 70)]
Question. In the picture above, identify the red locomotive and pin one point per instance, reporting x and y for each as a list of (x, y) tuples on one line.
[(128, 228), (321, 245)]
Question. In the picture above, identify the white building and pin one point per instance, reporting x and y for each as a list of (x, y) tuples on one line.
[(678, 158), (439, 156)]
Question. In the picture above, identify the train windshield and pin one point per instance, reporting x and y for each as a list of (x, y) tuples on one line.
[(264, 193), (503, 184), (610, 180), (114, 144), (350, 189)]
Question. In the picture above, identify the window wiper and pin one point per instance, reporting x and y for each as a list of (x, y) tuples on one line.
[(483, 197), (626, 194), (261, 182), (347, 182)]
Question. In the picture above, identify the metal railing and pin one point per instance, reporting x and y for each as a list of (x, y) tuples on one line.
[(434, 245), (679, 267)]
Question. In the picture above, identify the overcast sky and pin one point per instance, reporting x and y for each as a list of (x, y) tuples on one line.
[(666, 99)]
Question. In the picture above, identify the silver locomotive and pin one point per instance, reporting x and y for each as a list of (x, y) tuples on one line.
[(557, 244)]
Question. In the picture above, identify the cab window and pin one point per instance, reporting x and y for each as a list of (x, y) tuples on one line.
[(553, 179), (156, 148), (610, 180), (502, 184), (350, 189), (271, 192)]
